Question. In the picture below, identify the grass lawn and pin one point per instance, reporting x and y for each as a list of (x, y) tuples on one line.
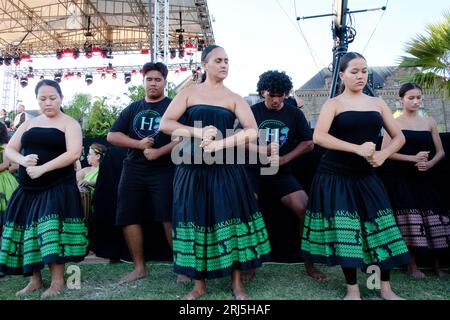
[(272, 282)]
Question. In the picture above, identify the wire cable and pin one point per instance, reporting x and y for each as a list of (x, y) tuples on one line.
[(376, 26)]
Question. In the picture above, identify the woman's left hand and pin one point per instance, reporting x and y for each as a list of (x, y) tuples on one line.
[(35, 171), (423, 165)]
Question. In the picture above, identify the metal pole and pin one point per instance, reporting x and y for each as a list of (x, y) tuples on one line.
[(341, 44), (150, 30), (166, 31), (157, 32)]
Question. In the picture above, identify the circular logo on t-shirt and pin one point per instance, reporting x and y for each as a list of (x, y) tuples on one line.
[(273, 131), (146, 123)]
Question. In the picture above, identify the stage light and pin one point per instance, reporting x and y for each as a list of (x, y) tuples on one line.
[(110, 68), (108, 54), (67, 53), (16, 60), (23, 82), (89, 79), (173, 53), (97, 52), (26, 58), (189, 49), (7, 61), (58, 77), (88, 50), (127, 77), (58, 54), (76, 53)]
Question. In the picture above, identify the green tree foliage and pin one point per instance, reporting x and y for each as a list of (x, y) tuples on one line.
[(136, 93), (79, 106), (95, 115), (430, 55), (100, 118)]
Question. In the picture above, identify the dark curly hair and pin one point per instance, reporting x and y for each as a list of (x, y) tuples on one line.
[(275, 82)]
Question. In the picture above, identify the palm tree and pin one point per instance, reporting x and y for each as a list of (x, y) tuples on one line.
[(430, 55)]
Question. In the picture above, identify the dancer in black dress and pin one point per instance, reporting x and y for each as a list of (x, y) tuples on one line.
[(44, 221), (408, 180), (217, 227), (349, 220)]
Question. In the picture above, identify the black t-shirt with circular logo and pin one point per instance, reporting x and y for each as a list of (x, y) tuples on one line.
[(139, 120), (287, 126)]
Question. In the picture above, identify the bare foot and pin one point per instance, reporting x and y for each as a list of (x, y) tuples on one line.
[(182, 279), (194, 294), (54, 290), (313, 272), (390, 295), (248, 276), (352, 293), (352, 296), (440, 273), (241, 294), (33, 285), (386, 292), (134, 275), (417, 274)]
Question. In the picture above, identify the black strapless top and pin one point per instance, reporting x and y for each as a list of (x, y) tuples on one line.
[(202, 115), (355, 127), (48, 144), (416, 141)]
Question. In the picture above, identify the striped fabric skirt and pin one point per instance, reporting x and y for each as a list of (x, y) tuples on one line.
[(349, 220), (217, 227)]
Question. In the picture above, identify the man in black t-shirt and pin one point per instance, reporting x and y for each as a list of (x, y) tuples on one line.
[(284, 134), (145, 188)]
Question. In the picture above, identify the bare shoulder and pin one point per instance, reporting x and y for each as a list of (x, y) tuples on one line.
[(380, 104), (377, 101), (331, 104), (70, 122), (237, 100), (431, 122)]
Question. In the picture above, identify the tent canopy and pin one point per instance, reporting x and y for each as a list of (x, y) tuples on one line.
[(40, 27)]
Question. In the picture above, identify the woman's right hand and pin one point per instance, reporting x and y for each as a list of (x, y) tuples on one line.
[(209, 133), (422, 156), (366, 149), (29, 160)]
